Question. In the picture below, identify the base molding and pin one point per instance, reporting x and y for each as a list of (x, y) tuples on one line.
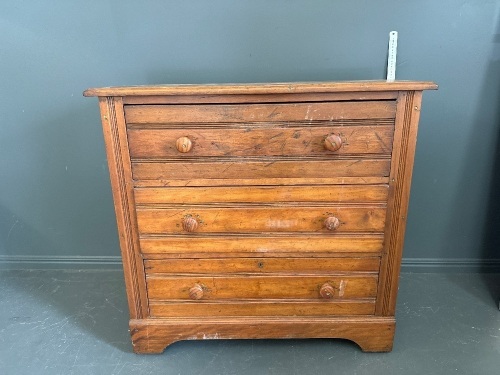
[(372, 334), (50, 262), (431, 265), (21, 262)]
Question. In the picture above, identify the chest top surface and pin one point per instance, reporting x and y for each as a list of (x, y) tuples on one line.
[(262, 88)]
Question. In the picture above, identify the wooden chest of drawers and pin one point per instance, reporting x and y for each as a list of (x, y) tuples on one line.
[(261, 210)]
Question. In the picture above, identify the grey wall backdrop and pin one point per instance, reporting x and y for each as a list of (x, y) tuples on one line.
[(55, 199)]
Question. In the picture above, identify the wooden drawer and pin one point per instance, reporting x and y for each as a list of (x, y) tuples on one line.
[(227, 287), (273, 140), (260, 169), (258, 113), (258, 182), (262, 194), (217, 246), (261, 287), (173, 220), (261, 265), (163, 309)]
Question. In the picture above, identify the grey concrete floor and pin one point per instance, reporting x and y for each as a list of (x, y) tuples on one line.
[(68, 322)]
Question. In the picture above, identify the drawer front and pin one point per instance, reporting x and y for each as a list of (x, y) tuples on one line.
[(262, 194), (232, 229), (372, 138), (257, 170), (258, 246), (326, 219), (261, 308), (260, 287), (257, 113), (261, 265)]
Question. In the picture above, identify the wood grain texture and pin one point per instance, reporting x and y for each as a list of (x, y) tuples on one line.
[(260, 245), (260, 219), (121, 176), (260, 98), (289, 254), (409, 104), (272, 141), (271, 168), (261, 265), (242, 113), (262, 308), (263, 182), (223, 287), (263, 88), (262, 194), (372, 334)]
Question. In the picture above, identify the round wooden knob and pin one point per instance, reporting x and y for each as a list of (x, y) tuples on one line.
[(183, 144), (196, 292), (190, 224), (333, 142), (332, 223), (327, 291)]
